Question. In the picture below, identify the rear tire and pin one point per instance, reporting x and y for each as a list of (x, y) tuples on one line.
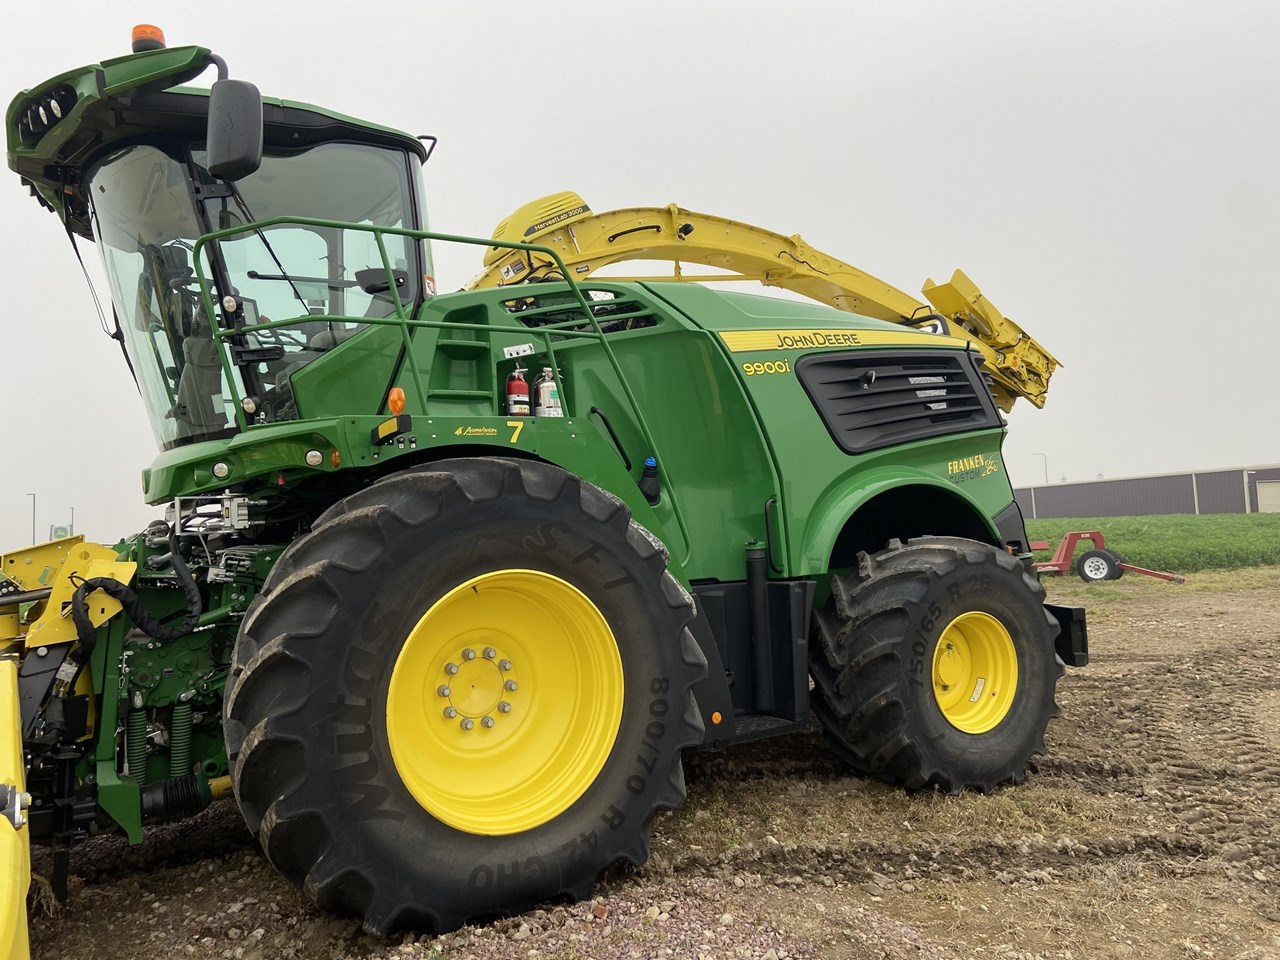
[(382, 795), (934, 666)]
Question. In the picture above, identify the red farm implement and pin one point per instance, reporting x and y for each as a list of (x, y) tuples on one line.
[(1096, 564)]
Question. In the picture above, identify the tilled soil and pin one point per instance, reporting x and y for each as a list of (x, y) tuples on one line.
[(1151, 829)]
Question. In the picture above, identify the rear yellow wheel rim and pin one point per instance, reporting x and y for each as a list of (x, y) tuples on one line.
[(975, 672), (505, 702)]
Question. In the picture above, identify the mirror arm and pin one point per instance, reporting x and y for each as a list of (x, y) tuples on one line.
[(221, 64)]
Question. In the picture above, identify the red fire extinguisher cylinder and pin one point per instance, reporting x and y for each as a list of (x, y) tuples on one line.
[(518, 394)]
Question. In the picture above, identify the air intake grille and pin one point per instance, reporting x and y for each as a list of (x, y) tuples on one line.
[(613, 312), (873, 399)]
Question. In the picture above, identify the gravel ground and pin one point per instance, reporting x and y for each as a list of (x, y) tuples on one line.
[(1151, 829)]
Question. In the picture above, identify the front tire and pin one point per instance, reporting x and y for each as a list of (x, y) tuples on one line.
[(466, 691), (934, 666)]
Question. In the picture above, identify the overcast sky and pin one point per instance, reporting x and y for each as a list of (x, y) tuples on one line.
[(1107, 174)]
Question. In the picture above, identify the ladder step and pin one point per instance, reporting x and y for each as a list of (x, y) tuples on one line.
[(445, 394)]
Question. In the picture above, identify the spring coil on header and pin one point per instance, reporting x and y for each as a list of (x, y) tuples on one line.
[(135, 745), (180, 740)]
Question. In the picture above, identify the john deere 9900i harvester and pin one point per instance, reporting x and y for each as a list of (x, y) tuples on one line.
[(445, 646)]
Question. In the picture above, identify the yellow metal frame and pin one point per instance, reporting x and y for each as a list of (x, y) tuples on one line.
[(587, 241), (15, 851), (55, 565)]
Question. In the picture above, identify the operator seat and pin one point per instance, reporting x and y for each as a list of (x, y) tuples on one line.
[(199, 404)]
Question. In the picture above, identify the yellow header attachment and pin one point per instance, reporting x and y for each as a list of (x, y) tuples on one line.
[(587, 241), (55, 565)]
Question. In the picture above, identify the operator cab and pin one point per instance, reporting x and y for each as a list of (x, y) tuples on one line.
[(150, 203), (123, 154)]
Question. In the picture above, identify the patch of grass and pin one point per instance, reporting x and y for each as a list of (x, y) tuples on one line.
[(1105, 600), (1178, 542)]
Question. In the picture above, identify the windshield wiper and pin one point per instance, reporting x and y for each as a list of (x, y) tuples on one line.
[(331, 284), (372, 280), (284, 274)]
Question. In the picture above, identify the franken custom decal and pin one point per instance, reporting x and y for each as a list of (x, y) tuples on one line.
[(972, 468)]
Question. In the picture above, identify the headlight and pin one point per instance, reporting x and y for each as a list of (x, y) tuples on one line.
[(43, 111)]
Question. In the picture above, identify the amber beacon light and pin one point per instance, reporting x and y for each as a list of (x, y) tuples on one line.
[(147, 37)]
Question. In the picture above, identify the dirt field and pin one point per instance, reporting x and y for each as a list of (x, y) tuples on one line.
[(1151, 830)]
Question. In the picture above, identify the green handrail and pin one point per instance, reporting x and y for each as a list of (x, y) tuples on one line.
[(400, 318)]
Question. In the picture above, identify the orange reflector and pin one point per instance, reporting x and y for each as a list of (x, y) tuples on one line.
[(716, 718), (335, 458), (147, 37), (395, 401)]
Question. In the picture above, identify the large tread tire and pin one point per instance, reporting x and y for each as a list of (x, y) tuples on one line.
[(873, 645), (305, 712)]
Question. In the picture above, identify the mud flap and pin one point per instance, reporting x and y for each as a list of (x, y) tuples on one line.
[(15, 853), (1072, 642)]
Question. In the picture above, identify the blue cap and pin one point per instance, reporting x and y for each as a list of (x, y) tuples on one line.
[(650, 462)]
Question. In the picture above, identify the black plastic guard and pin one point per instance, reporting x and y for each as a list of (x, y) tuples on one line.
[(1072, 642), (1013, 532)]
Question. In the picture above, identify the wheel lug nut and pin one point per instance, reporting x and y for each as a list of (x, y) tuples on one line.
[(451, 668), (490, 653), (487, 721), (510, 684), (504, 664), (450, 713), (467, 723), (468, 654), (504, 707), (443, 690)]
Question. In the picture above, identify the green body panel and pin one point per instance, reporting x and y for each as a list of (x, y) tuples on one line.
[(725, 441), (257, 455), (821, 485), (117, 793)]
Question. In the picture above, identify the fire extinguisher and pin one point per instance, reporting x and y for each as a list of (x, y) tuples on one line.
[(517, 394), (547, 396)]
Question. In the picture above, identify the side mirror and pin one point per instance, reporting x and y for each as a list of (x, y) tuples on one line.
[(234, 138)]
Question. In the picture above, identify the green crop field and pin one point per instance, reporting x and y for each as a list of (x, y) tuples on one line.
[(1178, 542)]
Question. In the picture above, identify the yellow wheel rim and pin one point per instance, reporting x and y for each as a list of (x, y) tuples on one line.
[(504, 702), (975, 672)]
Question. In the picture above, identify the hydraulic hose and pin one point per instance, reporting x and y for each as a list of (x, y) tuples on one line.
[(133, 606)]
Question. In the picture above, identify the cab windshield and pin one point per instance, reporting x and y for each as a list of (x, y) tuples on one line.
[(147, 219)]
